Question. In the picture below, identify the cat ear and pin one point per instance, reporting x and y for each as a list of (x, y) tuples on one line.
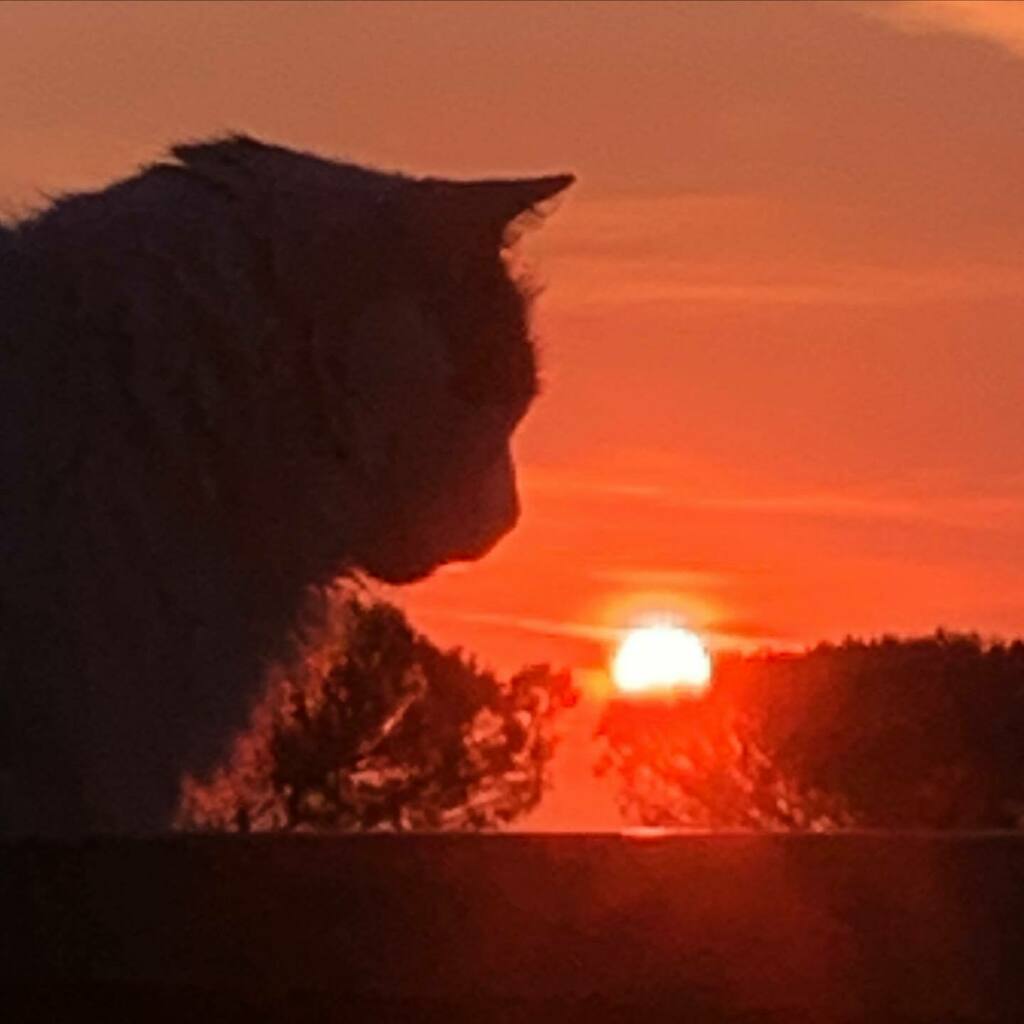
[(486, 210), (499, 202)]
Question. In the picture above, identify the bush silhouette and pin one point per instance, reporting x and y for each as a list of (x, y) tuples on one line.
[(376, 728)]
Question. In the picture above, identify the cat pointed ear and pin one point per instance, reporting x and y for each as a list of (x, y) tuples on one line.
[(486, 211), (499, 202)]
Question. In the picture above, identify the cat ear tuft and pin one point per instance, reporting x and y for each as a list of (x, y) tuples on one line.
[(490, 210), (501, 201)]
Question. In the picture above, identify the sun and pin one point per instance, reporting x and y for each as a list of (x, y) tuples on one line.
[(656, 660)]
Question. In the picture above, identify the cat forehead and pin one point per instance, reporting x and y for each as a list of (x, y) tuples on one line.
[(239, 157), (249, 158)]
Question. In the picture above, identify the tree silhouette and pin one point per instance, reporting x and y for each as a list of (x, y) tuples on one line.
[(916, 733), (376, 728)]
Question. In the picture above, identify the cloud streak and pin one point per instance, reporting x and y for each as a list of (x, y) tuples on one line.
[(620, 282), (545, 627), (663, 578), (719, 633), (995, 21), (1000, 510)]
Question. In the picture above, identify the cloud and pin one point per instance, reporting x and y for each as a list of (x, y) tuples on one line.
[(719, 632), (562, 481), (997, 21), (762, 250), (668, 579), (545, 627), (745, 635), (970, 509), (623, 282), (969, 512)]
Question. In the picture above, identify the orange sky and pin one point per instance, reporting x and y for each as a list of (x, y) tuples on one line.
[(782, 325)]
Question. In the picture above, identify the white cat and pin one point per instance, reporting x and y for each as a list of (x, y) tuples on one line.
[(224, 382)]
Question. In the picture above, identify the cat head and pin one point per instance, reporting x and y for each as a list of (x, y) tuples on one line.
[(412, 343)]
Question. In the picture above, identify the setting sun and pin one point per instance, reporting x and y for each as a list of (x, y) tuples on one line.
[(656, 659)]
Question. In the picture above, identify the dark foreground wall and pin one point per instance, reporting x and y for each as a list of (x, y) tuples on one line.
[(533, 928)]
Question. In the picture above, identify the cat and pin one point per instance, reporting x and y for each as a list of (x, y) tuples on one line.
[(226, 381)]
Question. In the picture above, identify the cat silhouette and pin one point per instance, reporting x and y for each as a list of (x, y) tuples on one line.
[(226, 381)]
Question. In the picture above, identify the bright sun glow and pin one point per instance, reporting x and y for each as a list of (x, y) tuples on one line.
[(658, 659)]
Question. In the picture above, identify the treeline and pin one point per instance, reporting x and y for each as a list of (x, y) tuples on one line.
[(375, 727), (924, 732)]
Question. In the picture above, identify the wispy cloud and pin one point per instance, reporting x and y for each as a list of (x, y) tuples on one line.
[(544, 627), (746, 635), (964, 512), (755, 250), (719, 634), (669, 579), (571, 482), (591, 282), (998, 21), (1004, 509)]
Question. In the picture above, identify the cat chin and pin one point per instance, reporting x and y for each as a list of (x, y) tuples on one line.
[(401, 578), (398, 572)]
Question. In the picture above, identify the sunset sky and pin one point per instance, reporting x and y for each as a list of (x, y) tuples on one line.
[(781, 330)]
